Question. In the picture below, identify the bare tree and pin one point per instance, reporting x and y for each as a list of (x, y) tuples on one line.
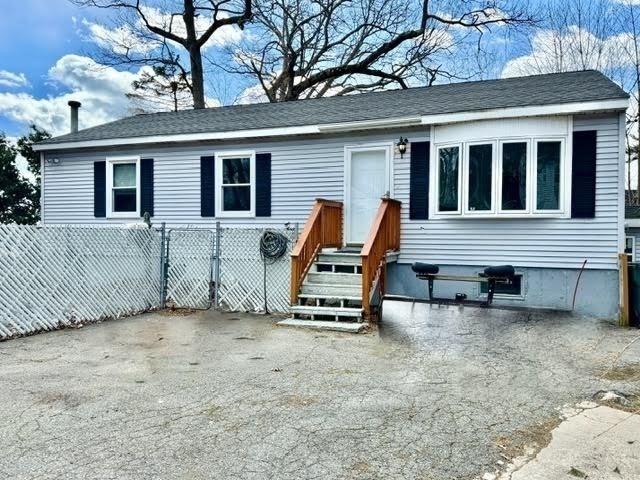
[(628, 57), (155, 33), (591, 34), (313, 48)]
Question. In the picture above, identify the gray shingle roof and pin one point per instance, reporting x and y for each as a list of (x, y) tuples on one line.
[(536, 90)]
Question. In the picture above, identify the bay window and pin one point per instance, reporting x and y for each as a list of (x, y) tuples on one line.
[(514, 177)]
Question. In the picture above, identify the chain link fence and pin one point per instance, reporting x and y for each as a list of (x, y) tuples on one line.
[(190, 261), (245, 280), (58, 276), (62, 276)]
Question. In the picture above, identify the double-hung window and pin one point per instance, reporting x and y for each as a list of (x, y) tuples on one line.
[(123, 187), (235, 184)]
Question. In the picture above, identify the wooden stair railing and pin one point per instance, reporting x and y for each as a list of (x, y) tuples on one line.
[(383, 237), (323, 229)]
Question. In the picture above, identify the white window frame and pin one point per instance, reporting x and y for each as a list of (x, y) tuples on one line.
[(633, 246), (219, 156), (534, 170), (111, 161), (514, 213), (465, 178), (460, 147)]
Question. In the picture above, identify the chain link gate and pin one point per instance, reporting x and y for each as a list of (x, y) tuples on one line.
[(243, 280), (188, 267)]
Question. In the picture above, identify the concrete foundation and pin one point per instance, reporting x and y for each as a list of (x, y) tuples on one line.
[(597, 295)]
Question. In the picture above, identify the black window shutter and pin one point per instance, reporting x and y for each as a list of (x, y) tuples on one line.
[(146, 186), (263, 185), (207, 187), (419, 181), (99, 189), (583, 175)]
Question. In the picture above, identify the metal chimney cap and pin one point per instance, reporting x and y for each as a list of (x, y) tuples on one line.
[(74, 104)]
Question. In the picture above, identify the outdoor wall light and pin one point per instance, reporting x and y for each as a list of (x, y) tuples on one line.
[(402, 146), (53, 161)]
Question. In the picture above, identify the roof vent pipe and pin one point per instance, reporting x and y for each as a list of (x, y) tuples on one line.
[(74, 115)]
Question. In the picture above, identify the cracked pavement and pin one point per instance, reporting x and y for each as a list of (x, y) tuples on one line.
[(427, 395)]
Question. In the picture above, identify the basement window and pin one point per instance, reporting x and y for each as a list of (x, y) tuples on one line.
[(512, 289), (123, 187)]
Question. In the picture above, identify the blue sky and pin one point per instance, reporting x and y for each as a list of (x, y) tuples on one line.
[(34, 34), (45, 51)]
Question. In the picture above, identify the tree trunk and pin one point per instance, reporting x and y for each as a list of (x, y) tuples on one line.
[(197, 76), (195, 55)]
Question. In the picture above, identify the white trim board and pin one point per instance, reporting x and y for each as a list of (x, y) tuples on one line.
[(531, 111)]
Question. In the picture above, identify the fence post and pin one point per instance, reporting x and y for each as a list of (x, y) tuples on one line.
[(164, 243), (623, 321), (217, 269)]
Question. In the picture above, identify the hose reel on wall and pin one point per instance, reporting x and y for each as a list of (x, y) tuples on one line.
[(273, 246)]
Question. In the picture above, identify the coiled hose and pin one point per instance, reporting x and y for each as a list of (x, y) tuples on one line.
[(273, 246)]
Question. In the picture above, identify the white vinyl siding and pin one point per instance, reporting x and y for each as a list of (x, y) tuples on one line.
[(304, 169)]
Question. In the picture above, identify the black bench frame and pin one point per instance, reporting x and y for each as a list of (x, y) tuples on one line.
[(490, 281)]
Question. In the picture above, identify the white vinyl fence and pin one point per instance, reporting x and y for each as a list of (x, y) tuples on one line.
[(58, 276)]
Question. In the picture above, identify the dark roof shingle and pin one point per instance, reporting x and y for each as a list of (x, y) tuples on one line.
[(536, 90)]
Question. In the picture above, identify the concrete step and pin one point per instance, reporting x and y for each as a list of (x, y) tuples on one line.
[(329, 278), (339, 258), (334, 290), (328, 311), (330, 297), (347, 327)]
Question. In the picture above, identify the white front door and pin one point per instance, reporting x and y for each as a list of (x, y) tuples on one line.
[(368, 173)]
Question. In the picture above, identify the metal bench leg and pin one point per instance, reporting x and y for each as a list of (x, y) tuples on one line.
[(491, 288), (430, 289)]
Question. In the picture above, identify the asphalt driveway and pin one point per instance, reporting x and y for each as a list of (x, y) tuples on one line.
[(435, 393)]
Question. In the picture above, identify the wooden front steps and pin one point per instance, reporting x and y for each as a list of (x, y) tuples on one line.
[(344, 286), (332, 289)]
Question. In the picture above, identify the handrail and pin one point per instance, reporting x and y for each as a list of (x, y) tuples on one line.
[(322, 229), (383, 237)]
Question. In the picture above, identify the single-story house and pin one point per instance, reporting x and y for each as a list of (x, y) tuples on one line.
[(523, 171)]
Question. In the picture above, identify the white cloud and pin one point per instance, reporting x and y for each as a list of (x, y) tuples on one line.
[(13, 80), (100, 89), (253, 94), (126, 38), (572, 49)]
